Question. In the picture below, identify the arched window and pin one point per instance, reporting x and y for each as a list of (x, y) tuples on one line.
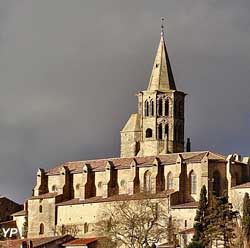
[(160, 107), (193, 183), (86, 227), (152, 107), (216, 183), (149, 133), (147, 181), (41, 229), (160, 131), (166, 130), (40, 209), (54, 188), (170, 182), (166, 107), (146, 108)]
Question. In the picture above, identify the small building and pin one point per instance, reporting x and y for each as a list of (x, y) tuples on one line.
[(7, 208), (82, 243)]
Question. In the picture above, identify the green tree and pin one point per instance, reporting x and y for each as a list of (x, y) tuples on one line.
[(246, 219), (195, 244), (25, 229), (221, 224), (200, 224)]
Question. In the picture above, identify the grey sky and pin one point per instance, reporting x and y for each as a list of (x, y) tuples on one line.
[(69, 70)]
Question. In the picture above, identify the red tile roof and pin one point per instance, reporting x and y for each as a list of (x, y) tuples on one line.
[(77, 242), (121, 163), (186, 205), (20, 213), (188, 231), (37, 242), (123, 197), (44, 196), (242, 186)]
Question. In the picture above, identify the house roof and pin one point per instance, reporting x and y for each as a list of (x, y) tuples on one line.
[(20, 213), (44, 196), (186, 205), (187, 231), (37, 242), (78, 242), (123, 197), (123, 163), (242, 186)]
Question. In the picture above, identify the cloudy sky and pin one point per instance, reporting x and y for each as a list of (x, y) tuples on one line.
[(69, 70)]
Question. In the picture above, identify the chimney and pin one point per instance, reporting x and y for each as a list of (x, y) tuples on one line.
[(188, 147)]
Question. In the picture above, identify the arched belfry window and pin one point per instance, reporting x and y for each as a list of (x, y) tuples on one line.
[(149, 133), (193, 182), (41, 229), (166, 107), (160, 131), (216, 183), (152, 108), (170, 182), (147, 181), (166, 130), (160, 107), (146, 108)]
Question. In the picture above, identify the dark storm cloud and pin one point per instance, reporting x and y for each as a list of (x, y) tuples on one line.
[(69, 71)]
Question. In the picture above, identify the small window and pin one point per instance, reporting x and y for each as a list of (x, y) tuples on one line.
[(166, 107), (156, 65), (54, 188), (86, 227), (146, 108), (78, 186), (160, 131), (185, 223), (41, 229), (160, 107), (152, 108), (149, 133), (40, 209), (193, 181)]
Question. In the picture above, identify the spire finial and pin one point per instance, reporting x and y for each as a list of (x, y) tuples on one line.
[(162, 26)]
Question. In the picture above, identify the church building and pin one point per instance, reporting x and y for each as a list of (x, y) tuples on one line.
[(153, 159)]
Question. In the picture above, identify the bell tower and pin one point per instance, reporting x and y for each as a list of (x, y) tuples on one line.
[(158, 127)]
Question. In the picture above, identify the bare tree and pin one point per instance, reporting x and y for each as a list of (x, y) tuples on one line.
[(71, 229), (137, 223)]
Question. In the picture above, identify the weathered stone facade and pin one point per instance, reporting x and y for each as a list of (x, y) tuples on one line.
[(152, 160), (158, 127)]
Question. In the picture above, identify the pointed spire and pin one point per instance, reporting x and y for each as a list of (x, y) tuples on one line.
[(162, 78)]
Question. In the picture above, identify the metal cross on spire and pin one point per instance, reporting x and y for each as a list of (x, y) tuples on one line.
[(162, 26)]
